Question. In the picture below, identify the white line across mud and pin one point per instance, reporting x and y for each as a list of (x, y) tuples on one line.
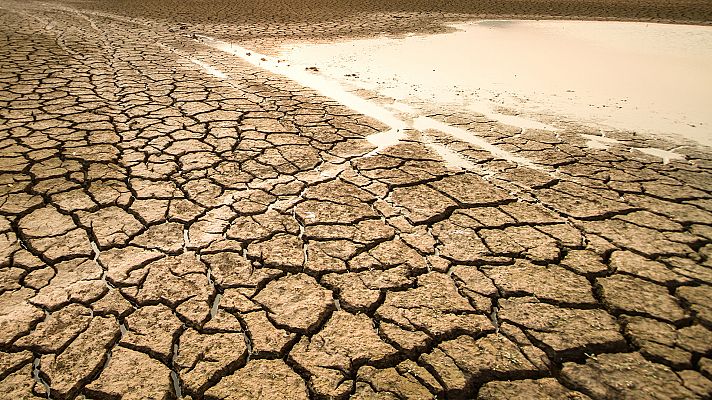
[(406, 119)]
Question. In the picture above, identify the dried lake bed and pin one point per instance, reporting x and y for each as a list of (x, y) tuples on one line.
[(238, 200)]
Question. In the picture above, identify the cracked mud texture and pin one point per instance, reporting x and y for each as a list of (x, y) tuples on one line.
[(165, 233), (341, 18)]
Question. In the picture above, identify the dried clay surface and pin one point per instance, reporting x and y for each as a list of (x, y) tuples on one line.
[(176, 223)]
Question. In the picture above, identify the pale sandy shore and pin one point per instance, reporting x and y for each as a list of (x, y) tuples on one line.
[(632, 76)]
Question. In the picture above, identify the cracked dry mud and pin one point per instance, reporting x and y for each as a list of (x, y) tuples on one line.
[(165, 233)]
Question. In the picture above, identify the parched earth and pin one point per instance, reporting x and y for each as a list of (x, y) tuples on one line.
[(167, 233), (267, 19)]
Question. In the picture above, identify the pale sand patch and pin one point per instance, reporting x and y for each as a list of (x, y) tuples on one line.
[(648, 78)]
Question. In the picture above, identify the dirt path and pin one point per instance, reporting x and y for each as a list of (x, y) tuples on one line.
[(176, 222)]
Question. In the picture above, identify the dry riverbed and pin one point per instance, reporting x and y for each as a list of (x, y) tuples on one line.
[(186, 214)]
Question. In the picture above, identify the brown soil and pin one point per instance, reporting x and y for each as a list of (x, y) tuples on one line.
[(327, 18)]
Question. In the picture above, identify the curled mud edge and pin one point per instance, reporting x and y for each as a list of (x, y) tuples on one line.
[(398, 123)]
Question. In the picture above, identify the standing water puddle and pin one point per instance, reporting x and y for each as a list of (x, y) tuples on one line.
[(651, 78)]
